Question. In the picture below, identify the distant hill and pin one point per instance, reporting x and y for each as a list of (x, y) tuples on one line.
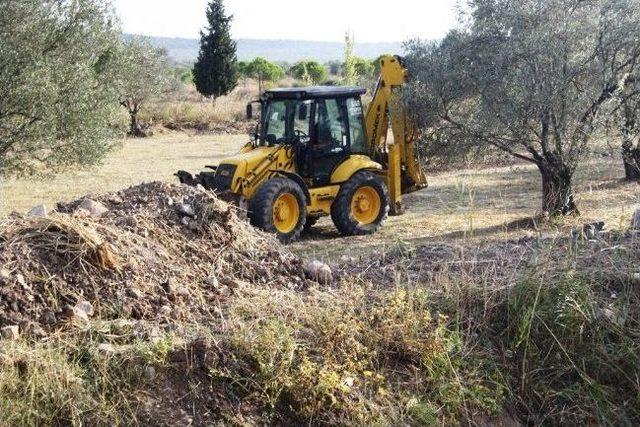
[(186, 50)]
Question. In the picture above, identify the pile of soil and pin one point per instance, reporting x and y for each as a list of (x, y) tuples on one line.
[(157, 252)]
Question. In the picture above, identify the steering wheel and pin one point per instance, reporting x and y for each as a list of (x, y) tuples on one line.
[(300, 134)]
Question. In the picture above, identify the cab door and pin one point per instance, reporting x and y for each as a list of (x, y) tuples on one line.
[(329, 144)]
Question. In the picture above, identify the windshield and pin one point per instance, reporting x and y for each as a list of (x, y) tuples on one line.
[(286, 122)]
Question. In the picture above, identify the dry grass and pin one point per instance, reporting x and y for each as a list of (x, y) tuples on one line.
[(139, 160), (193, 111), (190, 110), (488, 204)]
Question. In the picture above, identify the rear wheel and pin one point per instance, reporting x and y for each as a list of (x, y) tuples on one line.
[(279, 207), (361, 206)]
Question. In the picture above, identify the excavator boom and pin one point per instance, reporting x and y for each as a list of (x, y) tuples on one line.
[(404, 173)]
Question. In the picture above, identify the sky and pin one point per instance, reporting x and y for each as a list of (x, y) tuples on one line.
[(319, 20)]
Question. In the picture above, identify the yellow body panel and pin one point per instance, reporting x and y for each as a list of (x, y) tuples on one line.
[(257, 165), (322, 199), (351, 165)]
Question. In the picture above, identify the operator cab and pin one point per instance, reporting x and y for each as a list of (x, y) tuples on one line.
[(323, 125)]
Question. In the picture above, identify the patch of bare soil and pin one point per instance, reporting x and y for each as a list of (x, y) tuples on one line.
[(501, 263), (154, 251)]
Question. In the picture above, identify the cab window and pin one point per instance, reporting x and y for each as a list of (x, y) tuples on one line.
[(331, 126), (286, 122), (356, 127), (275, 127)]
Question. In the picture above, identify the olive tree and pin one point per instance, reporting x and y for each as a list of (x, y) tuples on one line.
[(311, 72), (145, 75), (528, 77), (58, 91), (264, 71)]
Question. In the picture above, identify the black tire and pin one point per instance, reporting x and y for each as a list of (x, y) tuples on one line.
[(341, 214), (261, 207), (311, 221)]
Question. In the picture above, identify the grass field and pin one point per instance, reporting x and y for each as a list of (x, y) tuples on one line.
[(479, 204), (139, 160)]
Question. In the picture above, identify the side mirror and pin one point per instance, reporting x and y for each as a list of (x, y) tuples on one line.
[(303, 112), (249, 111)]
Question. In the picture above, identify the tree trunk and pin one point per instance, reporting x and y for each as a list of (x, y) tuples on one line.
[(134, 127), (557, 189), (631, 160), (630, 154)]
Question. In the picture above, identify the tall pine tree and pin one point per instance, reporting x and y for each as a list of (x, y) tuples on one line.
[(215, 73)]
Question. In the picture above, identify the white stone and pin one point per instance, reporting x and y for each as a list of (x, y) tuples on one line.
[(10, 332), (85, 307), (21, 281), (186, 209), (95, 209), (149, 373), (212, 281), (39, 211), (318, 271)]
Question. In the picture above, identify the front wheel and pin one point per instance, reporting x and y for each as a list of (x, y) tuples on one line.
[(279, 207), (362, 205)]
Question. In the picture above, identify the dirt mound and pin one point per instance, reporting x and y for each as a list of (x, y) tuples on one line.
[(158, 251)]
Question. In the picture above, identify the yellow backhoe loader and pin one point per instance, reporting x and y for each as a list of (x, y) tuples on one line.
[(316, 154)]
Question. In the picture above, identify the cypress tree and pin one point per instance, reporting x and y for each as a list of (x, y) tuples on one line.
[(215, 73)]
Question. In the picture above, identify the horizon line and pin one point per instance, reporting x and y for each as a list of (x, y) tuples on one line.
[(268, 39)]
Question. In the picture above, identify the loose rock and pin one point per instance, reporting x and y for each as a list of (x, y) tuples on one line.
[(85, 307), (186, 209), (212, 281), (10, 332), (39, 211), (149, 373), (4, 274), (95, 209), (318, 271)]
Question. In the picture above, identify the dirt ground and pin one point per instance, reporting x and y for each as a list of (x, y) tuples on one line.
[(469, 204)]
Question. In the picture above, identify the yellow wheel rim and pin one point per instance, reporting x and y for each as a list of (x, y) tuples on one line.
[(286, 213), (366, 205)]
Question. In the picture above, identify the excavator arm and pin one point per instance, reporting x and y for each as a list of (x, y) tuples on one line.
[(399, 157)]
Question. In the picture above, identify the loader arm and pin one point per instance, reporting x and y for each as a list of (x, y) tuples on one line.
[(404, 174)]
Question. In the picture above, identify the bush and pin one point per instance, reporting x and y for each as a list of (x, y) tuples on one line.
[(350, 358)]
